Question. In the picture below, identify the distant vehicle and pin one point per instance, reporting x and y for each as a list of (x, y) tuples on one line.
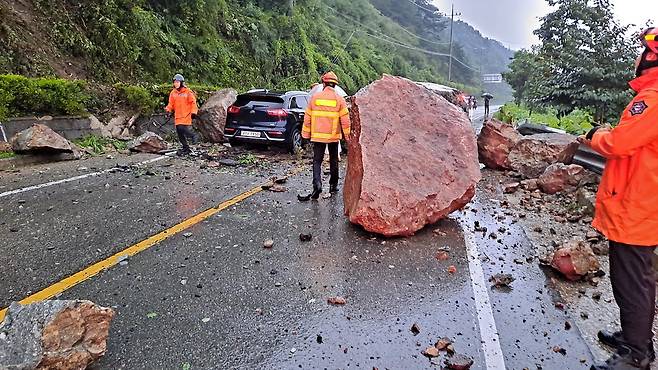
[(454, 96), (318, 88), (262, 116)]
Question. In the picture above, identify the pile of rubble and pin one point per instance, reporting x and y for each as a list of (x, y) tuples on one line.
[(549, 192)]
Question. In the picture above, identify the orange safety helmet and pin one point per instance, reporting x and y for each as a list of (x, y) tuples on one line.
[(649, 57), (330, 77), (649, 39)]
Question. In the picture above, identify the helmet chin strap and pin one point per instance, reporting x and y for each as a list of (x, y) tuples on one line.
[(648, 60)]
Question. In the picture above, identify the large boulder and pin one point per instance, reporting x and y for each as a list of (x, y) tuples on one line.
[(412, 158), (560, 177), (148, 142), (533, 154), (211, 119), (40, 139), (54, 335), (495, 142), (120, 125)]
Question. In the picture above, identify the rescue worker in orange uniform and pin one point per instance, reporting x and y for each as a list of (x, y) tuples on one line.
[(182, 102), (627, 213), (325, 122)]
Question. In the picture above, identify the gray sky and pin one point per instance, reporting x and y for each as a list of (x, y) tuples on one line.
[(512, 21)]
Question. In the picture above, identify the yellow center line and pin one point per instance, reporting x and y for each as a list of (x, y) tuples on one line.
[(93, 270)]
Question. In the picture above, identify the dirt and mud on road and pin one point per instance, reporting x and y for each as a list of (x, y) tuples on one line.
[(267, 282)]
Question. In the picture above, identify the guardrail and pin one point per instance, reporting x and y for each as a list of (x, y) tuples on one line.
[(585, 156), (589, 159)]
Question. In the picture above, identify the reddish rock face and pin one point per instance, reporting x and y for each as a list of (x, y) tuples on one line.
[(574, 260), (412, 158), (212, 115), (54, 335), (495, 142), (532, 154), (561, 177)]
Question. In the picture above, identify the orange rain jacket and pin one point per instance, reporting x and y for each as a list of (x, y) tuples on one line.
[(325, 116), (183, 103), (627, 200)]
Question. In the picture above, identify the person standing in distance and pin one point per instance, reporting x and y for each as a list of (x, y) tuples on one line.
[(182, 102)]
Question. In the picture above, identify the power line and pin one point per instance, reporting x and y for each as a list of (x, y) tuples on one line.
[(382, 34), (425, 9), (424, 39), (410, 47)]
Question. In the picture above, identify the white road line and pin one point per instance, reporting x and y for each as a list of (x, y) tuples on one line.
[(493, 353), (47, 184)]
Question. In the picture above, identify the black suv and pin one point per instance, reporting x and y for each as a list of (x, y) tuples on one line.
[(261, 116)]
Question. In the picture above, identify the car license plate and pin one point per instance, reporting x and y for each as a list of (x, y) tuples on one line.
[(250, 134)]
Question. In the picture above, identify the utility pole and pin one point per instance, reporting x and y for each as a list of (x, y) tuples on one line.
[(452, 21)]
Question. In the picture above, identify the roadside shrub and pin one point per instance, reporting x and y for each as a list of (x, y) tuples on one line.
[(5, 155), (21, 95), (99, 145), (577, 122), (137, 98)]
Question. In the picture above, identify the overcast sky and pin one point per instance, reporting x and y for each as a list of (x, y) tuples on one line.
[(512, 21)]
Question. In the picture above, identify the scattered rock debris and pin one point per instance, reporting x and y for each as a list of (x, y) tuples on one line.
[(442, 255), (336, 300), (501, 280), (459, 362), (431, 352), (415, 329), (268, 244)]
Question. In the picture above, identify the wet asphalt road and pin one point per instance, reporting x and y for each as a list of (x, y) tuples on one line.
[(216, 299)]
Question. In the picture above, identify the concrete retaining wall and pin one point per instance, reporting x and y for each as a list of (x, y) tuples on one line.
[(70, 127)]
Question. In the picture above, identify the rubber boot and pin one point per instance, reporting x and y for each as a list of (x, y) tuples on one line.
[(314, 195), (625, 359), (615, 340)]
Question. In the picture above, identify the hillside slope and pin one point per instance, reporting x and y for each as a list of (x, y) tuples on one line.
[(239, 43)]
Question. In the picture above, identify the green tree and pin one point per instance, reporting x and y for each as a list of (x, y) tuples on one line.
[(521, 70), (584, 61)]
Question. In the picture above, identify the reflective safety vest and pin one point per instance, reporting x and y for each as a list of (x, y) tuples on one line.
[(327, 118), (183, 103), (627, 200)]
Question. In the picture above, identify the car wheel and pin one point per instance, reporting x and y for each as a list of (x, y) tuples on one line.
[(295, 145)]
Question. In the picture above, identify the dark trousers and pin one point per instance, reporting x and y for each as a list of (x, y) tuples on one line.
[(486, 110), (318, 157), (184, 132), (634, 288)]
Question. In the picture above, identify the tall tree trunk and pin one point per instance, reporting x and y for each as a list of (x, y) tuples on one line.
[(291, 6)]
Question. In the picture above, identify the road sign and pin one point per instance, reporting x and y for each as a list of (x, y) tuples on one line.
[(492, 78)]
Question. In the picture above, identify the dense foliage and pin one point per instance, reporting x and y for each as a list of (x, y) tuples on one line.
[(20, 95), (25, 96), (239, 43), (577, 122), (584, 61)]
